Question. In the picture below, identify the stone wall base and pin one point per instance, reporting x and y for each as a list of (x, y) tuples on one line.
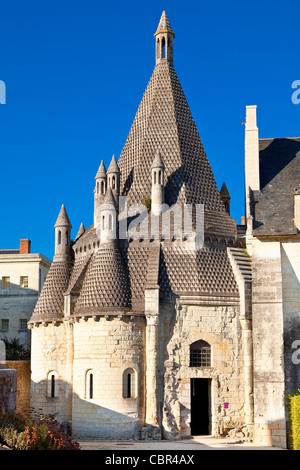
[(270, 434)]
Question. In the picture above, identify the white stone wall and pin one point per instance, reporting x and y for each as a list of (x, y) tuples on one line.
[(220, 327), (275, 311), (48, 353), (106, 348)]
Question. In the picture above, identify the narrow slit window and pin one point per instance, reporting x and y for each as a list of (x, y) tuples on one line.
[(52, 380), (91, 390), (129, 384), (89, 385), (52, 386)]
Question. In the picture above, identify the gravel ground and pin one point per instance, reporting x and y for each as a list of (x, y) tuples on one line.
[(197, 443)]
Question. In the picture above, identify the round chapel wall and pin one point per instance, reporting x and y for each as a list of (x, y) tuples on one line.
[(108, 378)]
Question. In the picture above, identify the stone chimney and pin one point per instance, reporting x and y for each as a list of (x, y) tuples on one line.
[(251, 150), (25, 246)]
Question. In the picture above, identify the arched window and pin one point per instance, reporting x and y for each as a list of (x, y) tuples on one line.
[(163, 48), (109, 222), (97, 187), (113, 182), (52, 384), (159, 177), (154, 176), (102, 187), (103, 222), (66, 238), (89, 385), (200, 354), (129, 384), (59, 237)]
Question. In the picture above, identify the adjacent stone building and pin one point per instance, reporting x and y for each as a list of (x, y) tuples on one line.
[(22, 275), (272, 168), (144, 327)]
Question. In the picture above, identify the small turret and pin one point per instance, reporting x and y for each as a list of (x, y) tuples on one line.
[(62, 236), (113, 178), (225, 198), (157, 192), (107, 229), (164, 40), (100, 190)]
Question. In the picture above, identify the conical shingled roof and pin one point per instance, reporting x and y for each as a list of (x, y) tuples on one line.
[(164, 121), (109, 198), (113, 167), (80, 231), (157, 162), (105, 286), (164, 25), (63, 219), (101, 171), (50, 304)]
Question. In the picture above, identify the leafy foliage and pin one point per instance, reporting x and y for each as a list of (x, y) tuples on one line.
[(19, 432), (294, 414), (15, 351)]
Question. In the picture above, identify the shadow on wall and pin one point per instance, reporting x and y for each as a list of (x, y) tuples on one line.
[(86, 417)]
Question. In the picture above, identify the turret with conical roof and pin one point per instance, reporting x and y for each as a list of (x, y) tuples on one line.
[(62, 236), (164, 40), (157, 190), (107, 229), (113, 178), (99, 191), (225, 197)]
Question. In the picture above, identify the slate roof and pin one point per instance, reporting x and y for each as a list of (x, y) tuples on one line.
[(164, 123), (105, 286), (101, 171), (205, 271), (273, 206), (50, 304), (63, 219)]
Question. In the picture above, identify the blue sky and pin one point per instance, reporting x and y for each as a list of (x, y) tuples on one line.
[(75, 73)]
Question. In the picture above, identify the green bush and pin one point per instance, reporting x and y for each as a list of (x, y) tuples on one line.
[(294, 414), (22, 433), (15, 351)]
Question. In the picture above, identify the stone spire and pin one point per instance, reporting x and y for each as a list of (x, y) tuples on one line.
[(113, 178), (164, 40), (80, 231), (225, 197), (62, 236), (101, 171), (62, 219), (164, 25)]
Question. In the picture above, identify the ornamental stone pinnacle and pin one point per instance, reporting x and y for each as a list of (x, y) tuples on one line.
[(164, 25)]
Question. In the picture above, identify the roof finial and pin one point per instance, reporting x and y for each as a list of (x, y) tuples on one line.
[(164, 25)]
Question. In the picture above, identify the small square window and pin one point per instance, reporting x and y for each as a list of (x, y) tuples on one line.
[(24, 282), (5, 282), (23, 324), (4, 325)]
